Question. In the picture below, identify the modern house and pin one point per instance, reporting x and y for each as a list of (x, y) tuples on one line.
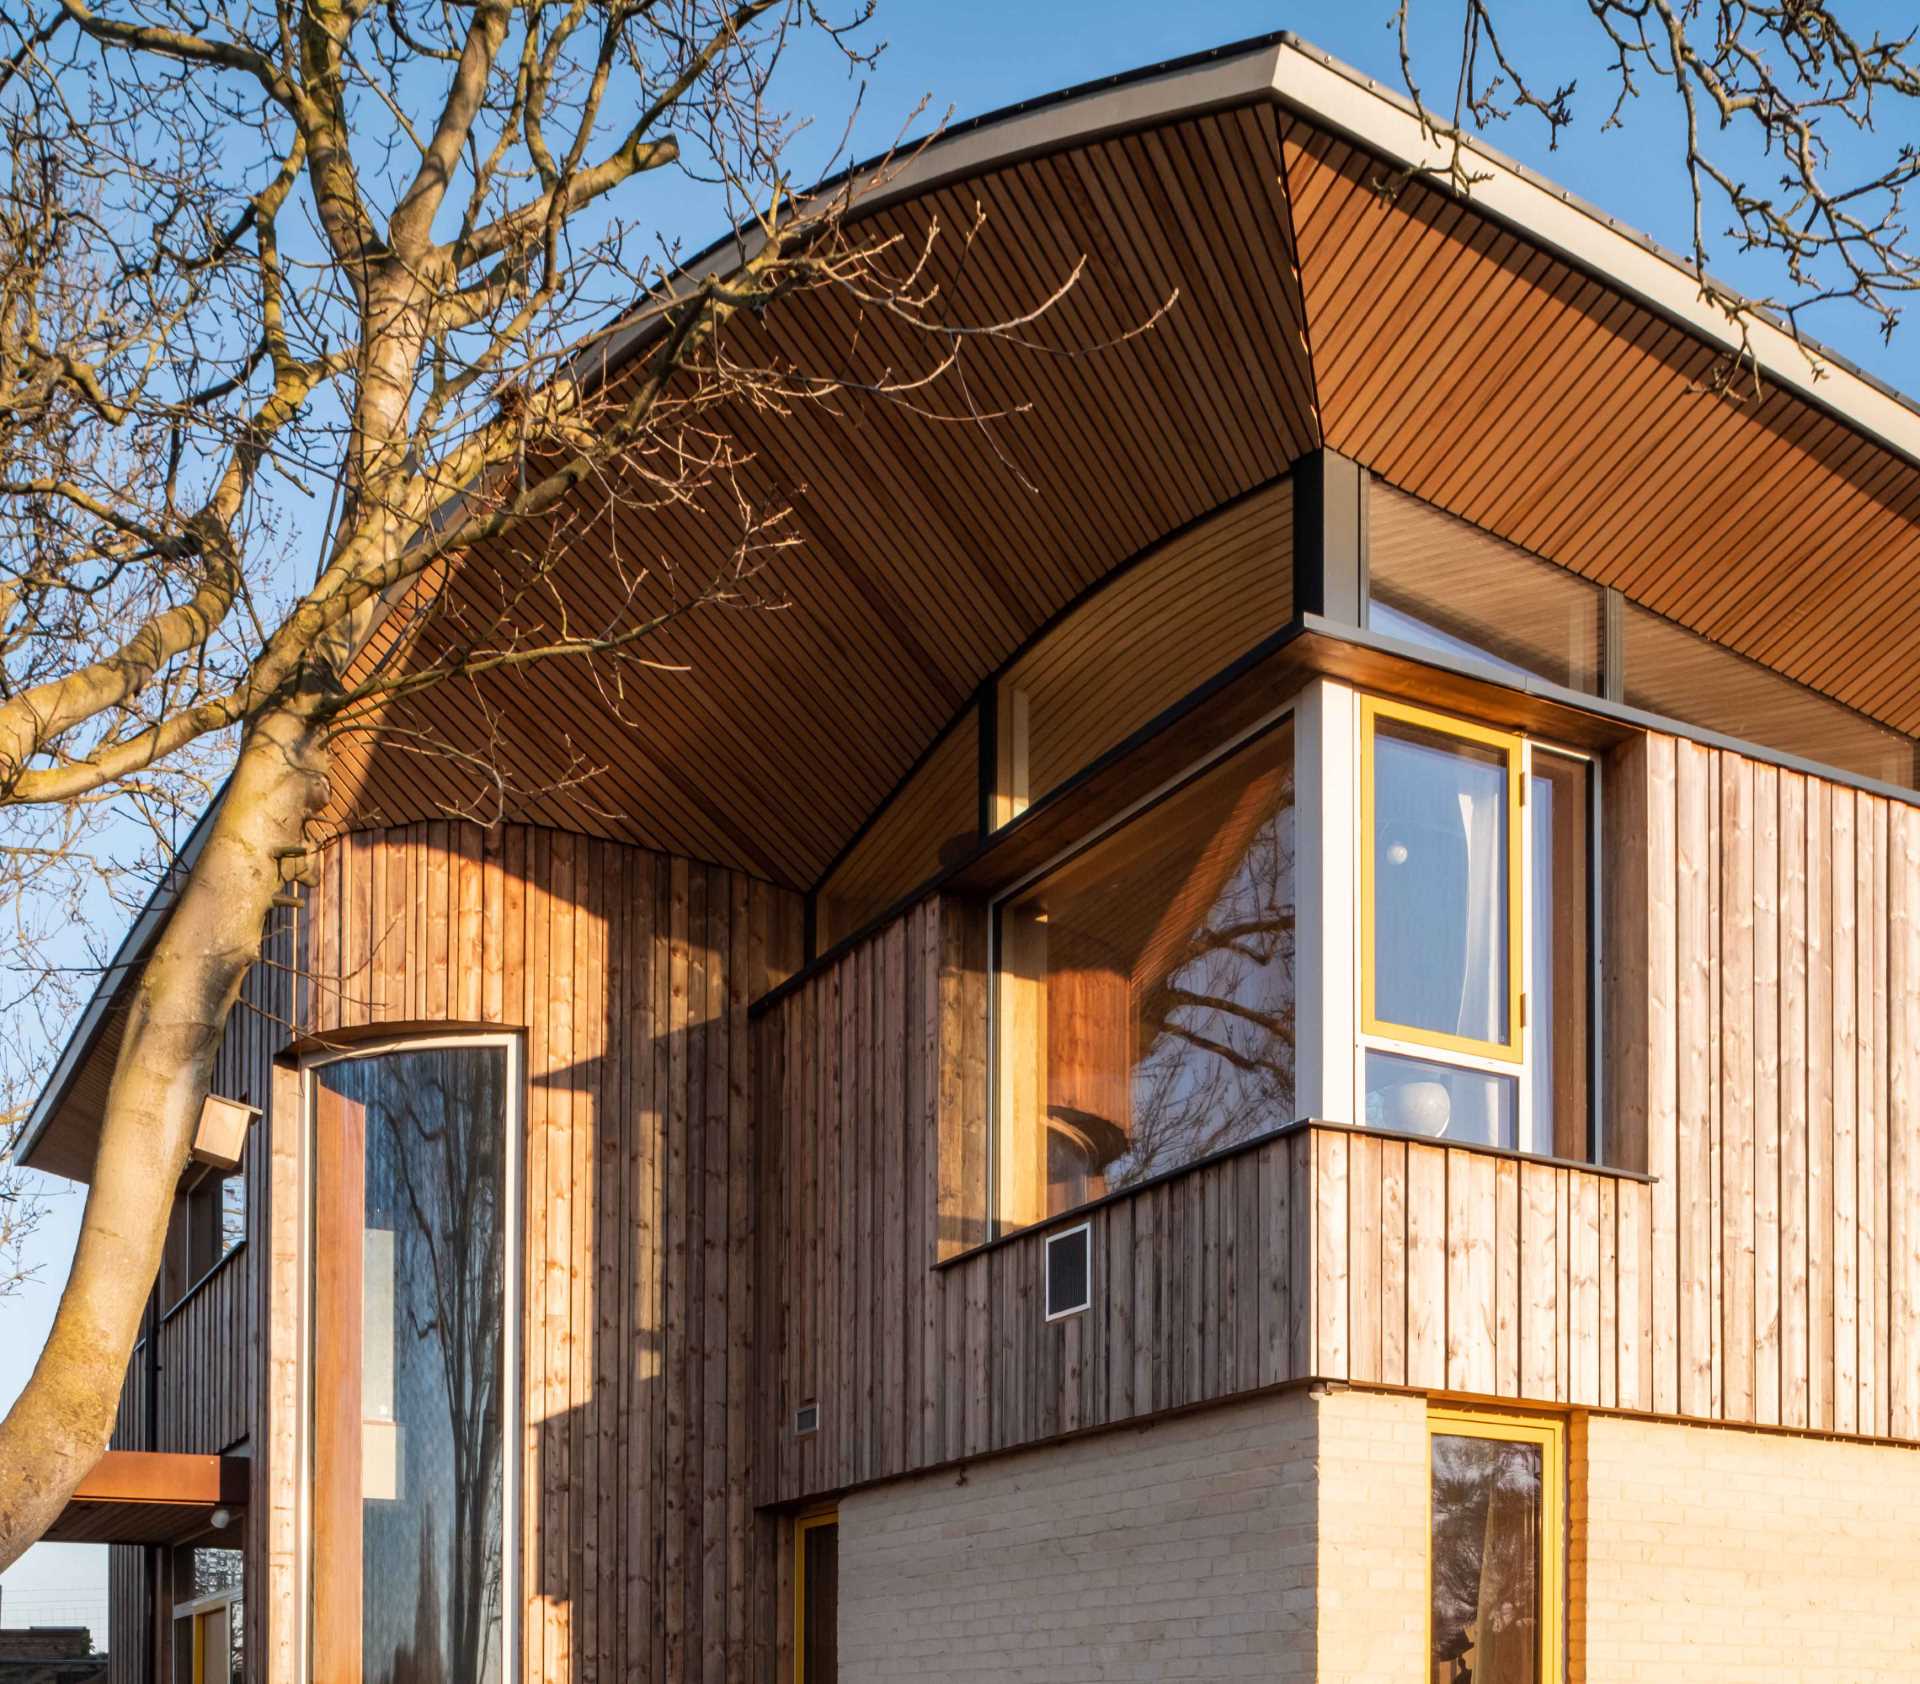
[(1273, 1033)]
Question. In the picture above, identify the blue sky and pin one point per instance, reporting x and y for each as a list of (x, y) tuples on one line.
[(972, 58)]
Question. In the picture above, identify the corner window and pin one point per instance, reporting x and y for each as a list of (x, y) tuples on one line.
[(1496, 1548), (1144, 992), (816, 1598), (1476, 914)]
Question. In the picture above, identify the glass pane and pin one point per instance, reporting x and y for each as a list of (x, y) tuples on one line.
[(432, 1333), (1440, 901), (1157, 632), (213, 1572), (1146, 1005), (926, 826), (820, 1657), (1670, 670), (1561, 1004), (1423, 1096), (1439, 581), (1486, 1561)]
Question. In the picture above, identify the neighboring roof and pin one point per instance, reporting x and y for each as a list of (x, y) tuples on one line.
[(1519, 359)]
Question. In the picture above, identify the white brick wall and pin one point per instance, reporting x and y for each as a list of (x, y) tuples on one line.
[(1718, 1557), (1178, 1551), (1372, 1578), (1285, 1539)]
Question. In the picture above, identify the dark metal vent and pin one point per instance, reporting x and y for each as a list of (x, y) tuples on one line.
[(1069, 1272), (806, 1419)]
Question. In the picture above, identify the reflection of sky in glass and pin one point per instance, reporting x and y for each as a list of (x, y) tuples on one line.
[(431, 1558)]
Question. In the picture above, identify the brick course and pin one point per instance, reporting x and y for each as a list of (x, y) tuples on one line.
[(1184, 1550)]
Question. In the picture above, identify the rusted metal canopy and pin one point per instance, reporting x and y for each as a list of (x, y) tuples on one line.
[(151, 1497)]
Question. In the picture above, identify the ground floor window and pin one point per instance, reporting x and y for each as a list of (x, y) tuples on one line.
[(1496, 1546), (209, 1632), (816, 1598)]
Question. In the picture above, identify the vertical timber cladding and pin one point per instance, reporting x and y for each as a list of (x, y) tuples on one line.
[(641, 1555), (871, 1090), (1769, 1073)]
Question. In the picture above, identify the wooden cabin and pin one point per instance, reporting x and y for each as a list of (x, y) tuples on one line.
[(1274, 1032)]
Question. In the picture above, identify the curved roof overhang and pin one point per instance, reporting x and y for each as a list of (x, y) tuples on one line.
[(1517, 358)]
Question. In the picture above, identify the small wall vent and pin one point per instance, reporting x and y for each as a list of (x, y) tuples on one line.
[(1069, 1272), (806, 1419)]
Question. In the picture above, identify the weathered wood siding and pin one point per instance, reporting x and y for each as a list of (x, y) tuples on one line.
[(871, 1078), (630, 975), (1454, 1270), (1768, 1066)]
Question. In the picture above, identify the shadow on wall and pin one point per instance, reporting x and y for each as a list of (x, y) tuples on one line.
[(630, 974)]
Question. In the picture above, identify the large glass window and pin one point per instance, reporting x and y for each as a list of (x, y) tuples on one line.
[(1439, 581), (1145, 990), (413, 1388), (1672, 671), (1155, 633), (1476, 913), (1496, 1549)]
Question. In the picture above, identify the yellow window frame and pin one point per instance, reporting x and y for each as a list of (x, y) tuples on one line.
[(811, 1521), (1373, 709), (1549, 1433)]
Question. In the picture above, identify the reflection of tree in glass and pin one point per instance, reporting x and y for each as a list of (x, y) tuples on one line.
[(1486, 1561), (1214, 1049), (435, 1185), (446, 1120)]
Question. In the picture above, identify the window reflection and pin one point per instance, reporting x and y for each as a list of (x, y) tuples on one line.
[(1146, 992), (1423, 1096), (1486, 1560), (432, 1330), (1441, 915)]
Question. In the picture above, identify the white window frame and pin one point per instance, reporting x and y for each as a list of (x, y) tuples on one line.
[(513, 1263)]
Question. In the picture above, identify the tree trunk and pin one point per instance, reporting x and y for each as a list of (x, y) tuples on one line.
[(62, 1421)]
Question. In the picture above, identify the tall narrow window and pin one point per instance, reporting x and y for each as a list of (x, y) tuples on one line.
[(1496, 1549), (816, 1599), (1144, 1011), (413, 1373), (1475, 932)]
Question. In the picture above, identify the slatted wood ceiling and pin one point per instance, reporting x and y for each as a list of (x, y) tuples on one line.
[(931, 550), (1455, 359), (1469, 367)]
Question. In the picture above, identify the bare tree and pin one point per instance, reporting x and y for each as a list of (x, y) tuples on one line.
[(278, 266), (1786, 88)]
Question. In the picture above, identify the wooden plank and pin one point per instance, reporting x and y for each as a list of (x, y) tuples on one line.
[(1795, 1351), (1506, 1270), (1470, 1313), (1427, 1241), (1393, 1262), (1844, 1169), (1736, 1080), (1693, 1002), (1364, 1299), (1663, 1055), (1820, 1061), (1539, 1284), (1767, 1079), (1903, 1122)]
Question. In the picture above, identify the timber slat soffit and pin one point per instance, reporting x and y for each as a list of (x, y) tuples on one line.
[(1559, 398), (151, 1497)]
